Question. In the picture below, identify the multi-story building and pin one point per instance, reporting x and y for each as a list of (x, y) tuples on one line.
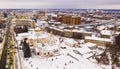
[(40, 14), (69, 19), (23, 14), (60, 17), (22, 22), (76, 20)]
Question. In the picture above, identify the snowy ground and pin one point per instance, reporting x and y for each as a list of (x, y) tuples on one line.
[(67, 59), (62, 61)]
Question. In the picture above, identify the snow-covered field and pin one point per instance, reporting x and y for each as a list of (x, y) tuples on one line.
[(69, 58), (62, 61)]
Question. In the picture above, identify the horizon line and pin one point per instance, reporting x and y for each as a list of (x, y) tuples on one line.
[(62, 8)]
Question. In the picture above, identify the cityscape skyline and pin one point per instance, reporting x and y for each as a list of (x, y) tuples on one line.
[(55, 34), (73, 4)]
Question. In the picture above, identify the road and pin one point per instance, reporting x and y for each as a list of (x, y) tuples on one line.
[(7, 57)]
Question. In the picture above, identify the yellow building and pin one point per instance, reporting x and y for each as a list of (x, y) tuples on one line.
[(22, 22), (98, 41)]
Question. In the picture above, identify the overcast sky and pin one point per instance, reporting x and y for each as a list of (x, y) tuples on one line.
[(74, 4)]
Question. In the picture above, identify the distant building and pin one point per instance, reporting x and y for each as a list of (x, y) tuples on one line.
[(22, 14), (60, 17), (76, 20), (69, 19), (40, 14), (5, 15), (98, 41), (22, 22)]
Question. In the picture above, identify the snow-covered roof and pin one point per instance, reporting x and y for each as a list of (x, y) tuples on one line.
[(31, 35), (77, 30), (54, 15), (37, 28), (49, 48), (118, 23), (88, 44), (83, 50), (110, 26), (57, 23), (23, 34), (69, 40), (101, 27), (61, 27), (106, 32), (41, 21), (67, 30), (98, 39)]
